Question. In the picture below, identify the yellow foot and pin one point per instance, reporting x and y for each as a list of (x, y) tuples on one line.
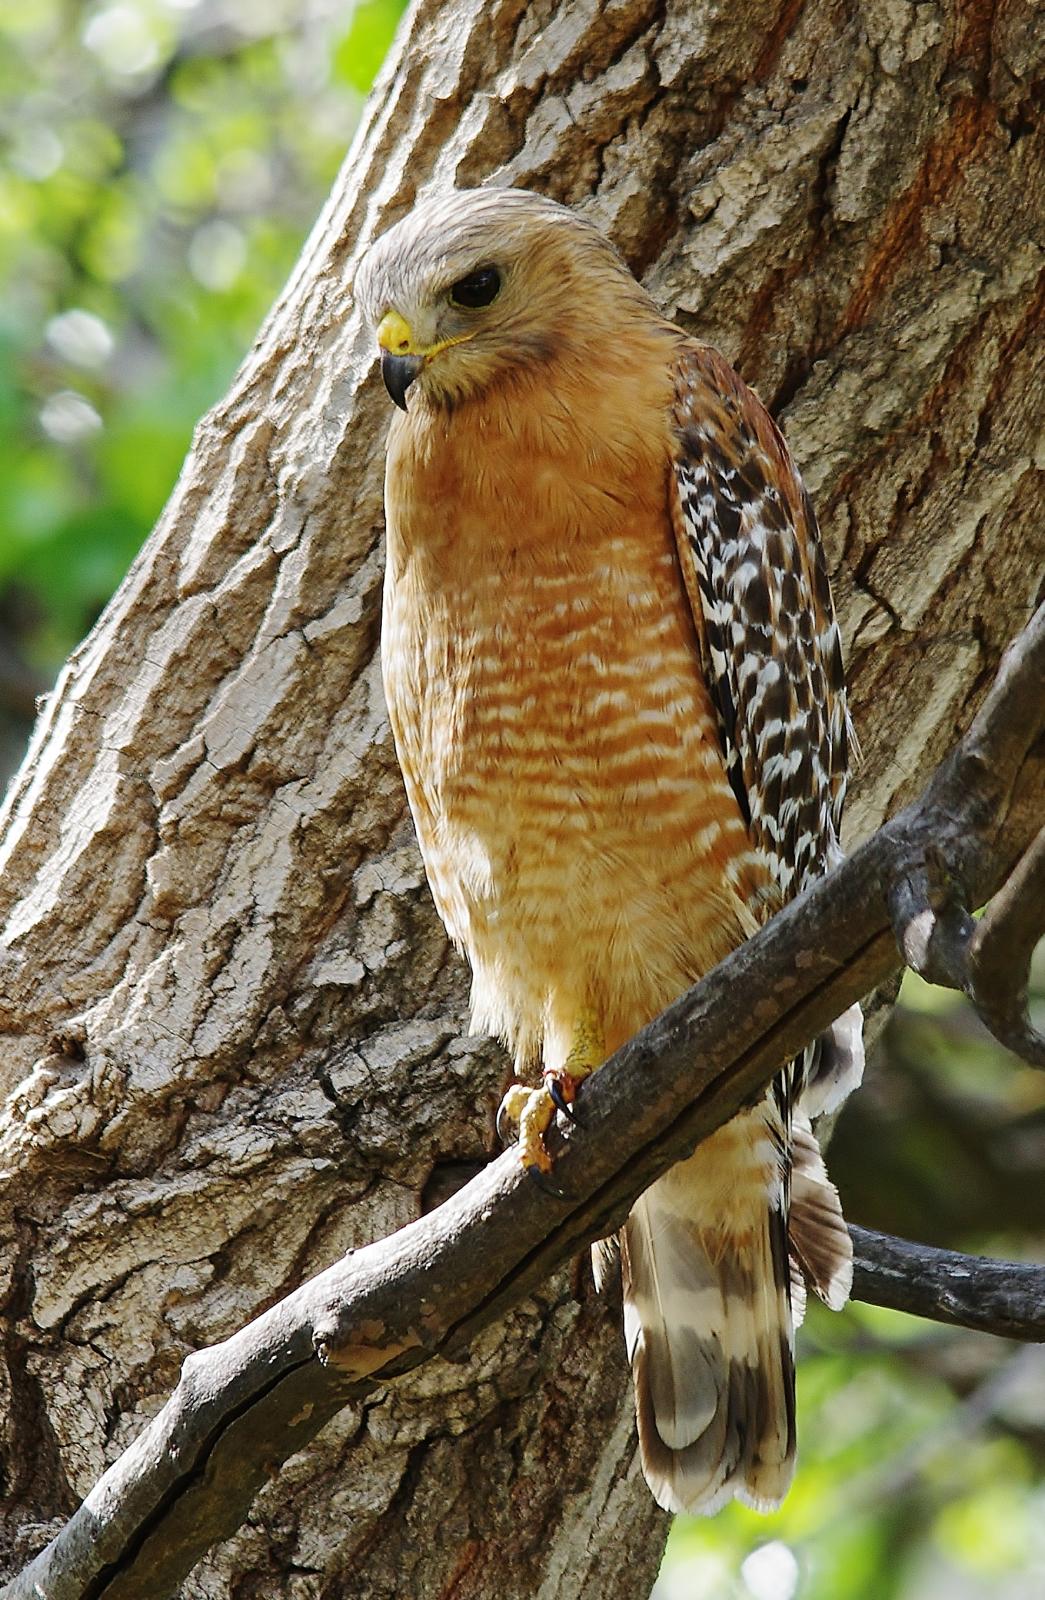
[(531, 1110), (525, 1114)]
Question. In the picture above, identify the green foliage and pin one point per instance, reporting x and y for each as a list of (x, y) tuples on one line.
[(162, 162), (363, 49)]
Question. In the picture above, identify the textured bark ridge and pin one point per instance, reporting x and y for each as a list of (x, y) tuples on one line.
[(232, 1030)]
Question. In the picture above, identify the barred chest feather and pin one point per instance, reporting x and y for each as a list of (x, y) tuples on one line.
[(556, 735)]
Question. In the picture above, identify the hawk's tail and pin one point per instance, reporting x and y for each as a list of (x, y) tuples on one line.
[(708, 1316)]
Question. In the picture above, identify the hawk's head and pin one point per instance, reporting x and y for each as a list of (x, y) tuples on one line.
[(477, 283)]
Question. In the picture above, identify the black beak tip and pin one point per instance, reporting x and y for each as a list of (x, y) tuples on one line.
[(399, 373)]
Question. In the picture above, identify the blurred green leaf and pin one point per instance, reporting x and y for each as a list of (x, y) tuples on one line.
[(362, 50), (159, 174)]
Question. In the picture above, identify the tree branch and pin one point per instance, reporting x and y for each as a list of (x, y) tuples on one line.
[(1001, 1297), (242, 1407), (1000, 952), (989, 960)]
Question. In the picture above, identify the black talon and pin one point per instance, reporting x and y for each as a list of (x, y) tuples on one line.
[(503, 1126), (559, 1100), (544, 1183)]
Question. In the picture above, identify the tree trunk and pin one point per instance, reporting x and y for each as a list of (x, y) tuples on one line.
[(233, 1030)]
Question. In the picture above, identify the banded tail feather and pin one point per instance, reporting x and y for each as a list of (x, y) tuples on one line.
[(820, 1244), (714, 1273), (708, 1323)]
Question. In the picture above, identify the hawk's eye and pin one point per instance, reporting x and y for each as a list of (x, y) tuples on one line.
[(480, 288)]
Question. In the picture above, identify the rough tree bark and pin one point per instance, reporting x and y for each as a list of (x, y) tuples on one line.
[(232, 1029)]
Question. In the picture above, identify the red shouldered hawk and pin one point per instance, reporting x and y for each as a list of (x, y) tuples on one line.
[(615, 684)]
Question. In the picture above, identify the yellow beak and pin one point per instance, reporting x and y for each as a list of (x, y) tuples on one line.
[(402, 358), (395, 335)]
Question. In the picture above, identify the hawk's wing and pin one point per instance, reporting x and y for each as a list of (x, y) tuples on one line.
[(757, 579), (755, 571)]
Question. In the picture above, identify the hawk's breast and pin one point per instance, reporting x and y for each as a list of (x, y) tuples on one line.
[(556, 735)]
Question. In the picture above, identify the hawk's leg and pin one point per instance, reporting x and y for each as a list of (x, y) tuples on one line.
[(532, 1110)]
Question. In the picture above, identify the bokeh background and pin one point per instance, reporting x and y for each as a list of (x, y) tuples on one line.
[(160, 164)]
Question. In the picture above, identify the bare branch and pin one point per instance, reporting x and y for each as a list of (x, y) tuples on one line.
[(933, 926), (1002, 1297), (1000, 954), (244, 1406), (930, 901)]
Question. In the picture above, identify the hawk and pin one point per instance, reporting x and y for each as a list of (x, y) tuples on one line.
[(615, 683)]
